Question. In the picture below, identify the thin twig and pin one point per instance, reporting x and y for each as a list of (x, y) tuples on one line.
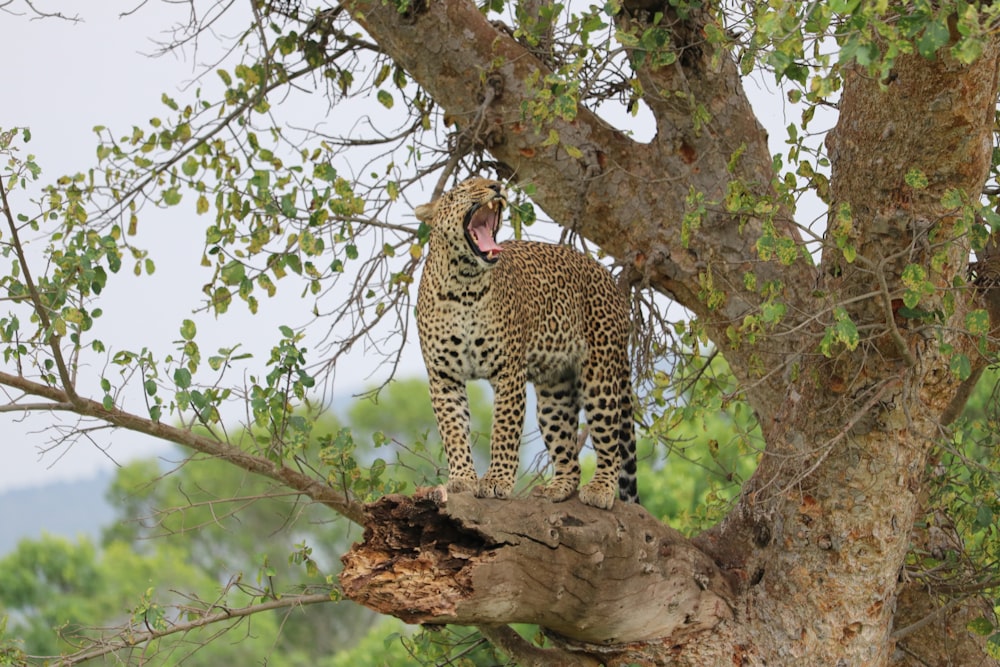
[(890, 317), (926, 620), (36, 301), (128, 639)]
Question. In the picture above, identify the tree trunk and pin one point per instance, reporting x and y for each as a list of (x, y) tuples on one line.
[(817, 542)]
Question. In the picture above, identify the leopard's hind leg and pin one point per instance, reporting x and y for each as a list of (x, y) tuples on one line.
[(558, 420), (601, 394)]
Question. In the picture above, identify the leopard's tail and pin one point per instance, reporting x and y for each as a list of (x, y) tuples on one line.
[(627, 489)]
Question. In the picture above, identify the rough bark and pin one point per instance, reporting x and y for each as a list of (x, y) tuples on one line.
[(817, 542), (591, 576)]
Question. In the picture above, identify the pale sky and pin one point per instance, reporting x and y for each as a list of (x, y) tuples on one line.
[(62, 79)]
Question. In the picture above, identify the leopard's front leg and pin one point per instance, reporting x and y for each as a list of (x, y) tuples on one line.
[(509, 390), (451, 409)]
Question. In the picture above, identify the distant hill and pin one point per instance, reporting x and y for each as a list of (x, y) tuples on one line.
[(69, 509)]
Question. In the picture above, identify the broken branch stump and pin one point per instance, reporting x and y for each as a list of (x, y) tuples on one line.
[(589, 575)]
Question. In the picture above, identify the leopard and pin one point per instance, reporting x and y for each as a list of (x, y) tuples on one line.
[(520, 312)]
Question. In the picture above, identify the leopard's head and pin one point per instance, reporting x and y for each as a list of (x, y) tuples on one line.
[(466, 219)]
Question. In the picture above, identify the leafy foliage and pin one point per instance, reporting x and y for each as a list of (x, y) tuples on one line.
[(700, 447), (966, 476)]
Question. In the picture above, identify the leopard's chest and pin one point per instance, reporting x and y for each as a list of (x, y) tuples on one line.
[(479, 328), (462, 333), (483, 341)]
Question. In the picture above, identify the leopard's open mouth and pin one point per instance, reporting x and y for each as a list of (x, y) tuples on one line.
[(482, 223)]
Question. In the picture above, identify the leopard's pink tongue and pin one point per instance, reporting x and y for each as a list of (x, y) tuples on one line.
[(484, 239)]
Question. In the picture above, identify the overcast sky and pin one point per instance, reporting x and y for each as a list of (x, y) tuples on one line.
[(61, 79)]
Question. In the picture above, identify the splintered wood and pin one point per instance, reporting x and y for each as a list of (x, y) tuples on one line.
[(411, 564), (589, 575)]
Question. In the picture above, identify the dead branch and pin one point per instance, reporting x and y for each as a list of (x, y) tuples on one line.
[(587, 576)]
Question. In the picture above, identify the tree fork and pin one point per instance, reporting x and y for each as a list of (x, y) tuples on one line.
[(589, 576)]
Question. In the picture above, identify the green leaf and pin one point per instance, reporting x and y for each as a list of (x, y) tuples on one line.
[(953, 198), (968, 50), (914, 278), (843, 6), (288, 205), (384, 98), (772, 311), (916, 179), (843, 332), (182, 377), (171, 196), (190, 166), (221, 298), (935, 36), (233, 273), (325, 171), (978, 322), (311, 244), (984, 518), (981, 626), (960, 366), (188, 330)]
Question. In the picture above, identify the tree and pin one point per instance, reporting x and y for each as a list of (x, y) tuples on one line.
[(855, 343)]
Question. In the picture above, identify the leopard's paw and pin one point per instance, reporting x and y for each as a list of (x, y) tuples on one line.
[(493, 486), (558, 490), (462, 484), (599, 495)]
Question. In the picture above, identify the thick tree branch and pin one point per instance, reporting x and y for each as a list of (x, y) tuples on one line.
[(587, 575)]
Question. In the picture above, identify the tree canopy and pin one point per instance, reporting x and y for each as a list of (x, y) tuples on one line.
[(842, 347)]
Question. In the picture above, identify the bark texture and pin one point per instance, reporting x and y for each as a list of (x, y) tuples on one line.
[(591, 576), (816, 544)]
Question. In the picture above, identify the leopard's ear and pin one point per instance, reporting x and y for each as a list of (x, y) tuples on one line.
[(425, 212)]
